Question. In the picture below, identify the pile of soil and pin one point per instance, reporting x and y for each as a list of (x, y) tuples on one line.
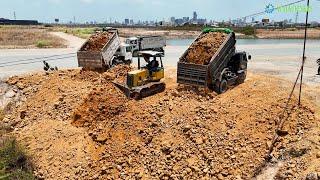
[(202, 50), (97, 41), (78, 125)]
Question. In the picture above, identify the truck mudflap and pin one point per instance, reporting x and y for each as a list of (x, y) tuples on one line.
[(192, 74)]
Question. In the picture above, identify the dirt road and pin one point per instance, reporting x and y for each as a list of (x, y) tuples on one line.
[(68, 58), (73, 41)]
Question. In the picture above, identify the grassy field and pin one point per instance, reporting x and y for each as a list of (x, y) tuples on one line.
[(28, 37), (84, 33), (14, 163)]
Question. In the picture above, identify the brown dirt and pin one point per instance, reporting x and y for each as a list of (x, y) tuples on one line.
[(97, 41), (292, 33), (22, 37), (201, 51), (78, 125)]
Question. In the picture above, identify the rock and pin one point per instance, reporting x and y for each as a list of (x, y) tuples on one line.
[(220, 177), (312, 176), (101, 138), (23, 114), (186, 128), (160, 114), (282, 132), (10, 94)]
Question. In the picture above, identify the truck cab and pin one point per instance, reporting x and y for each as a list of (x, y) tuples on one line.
[(123, 54), (146, 43), (133, 42)]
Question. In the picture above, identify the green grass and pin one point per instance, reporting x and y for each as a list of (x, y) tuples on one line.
[(42, 44), (14, 163), (249, 31), (80, 32)]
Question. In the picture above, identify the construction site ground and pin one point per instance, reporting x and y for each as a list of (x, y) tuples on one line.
[(77, 125)]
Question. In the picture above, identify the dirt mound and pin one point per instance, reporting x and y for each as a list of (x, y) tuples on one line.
[(201, 51), (78, 125), (102, 103), (97, 41), (187, 133)]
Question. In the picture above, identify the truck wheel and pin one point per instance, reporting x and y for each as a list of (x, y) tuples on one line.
[(242, 77), (222, 86)]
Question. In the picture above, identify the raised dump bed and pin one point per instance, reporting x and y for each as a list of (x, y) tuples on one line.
[(210, 60), (98, 51)]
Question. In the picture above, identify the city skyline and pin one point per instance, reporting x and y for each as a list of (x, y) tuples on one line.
[(154, 10)]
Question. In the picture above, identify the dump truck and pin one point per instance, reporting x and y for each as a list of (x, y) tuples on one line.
[(143, 43), (224, 68), (98, 52)]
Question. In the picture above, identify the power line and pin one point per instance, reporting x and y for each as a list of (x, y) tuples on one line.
[(263, 12), (31, 62), (45, 57)]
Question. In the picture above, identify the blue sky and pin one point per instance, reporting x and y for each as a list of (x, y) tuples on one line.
[(103, 10)]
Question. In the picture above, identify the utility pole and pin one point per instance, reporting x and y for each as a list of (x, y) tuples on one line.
[(74, 20), (304, 51), (14, 15)]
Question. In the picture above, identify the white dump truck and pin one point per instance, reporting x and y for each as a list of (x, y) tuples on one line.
[(104, 50), (143, 43)]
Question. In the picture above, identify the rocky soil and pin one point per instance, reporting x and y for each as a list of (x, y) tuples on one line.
[(201, 51), (77, 125), (97, 41)]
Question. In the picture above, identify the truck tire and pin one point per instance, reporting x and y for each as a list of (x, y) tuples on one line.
[(222, 86), (241, 78)]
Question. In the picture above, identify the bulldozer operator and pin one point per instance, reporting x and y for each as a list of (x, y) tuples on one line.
[(152, 65)]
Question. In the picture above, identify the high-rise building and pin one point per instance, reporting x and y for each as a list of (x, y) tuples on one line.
[(186, 19), (126, 21), (172, 19), (195, 16), (131, 21)]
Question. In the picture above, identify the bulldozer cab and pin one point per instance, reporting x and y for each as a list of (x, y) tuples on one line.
[(152, 58), (154, 64)]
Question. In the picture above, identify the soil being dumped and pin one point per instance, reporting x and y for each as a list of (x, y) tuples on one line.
[(78, 125), (201, 51), (97, 41)]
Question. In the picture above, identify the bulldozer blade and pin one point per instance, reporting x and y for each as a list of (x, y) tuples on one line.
[(140, 92), (123, 88)]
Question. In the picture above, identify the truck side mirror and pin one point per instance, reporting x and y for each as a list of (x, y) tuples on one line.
[(249, 57)]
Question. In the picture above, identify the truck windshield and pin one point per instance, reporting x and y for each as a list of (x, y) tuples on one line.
[(128, 49)]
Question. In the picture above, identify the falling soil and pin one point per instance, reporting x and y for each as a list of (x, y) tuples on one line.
[(202, 50), (97, 41)]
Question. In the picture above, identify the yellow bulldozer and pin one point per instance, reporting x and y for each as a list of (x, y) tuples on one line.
[(146, 80)]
